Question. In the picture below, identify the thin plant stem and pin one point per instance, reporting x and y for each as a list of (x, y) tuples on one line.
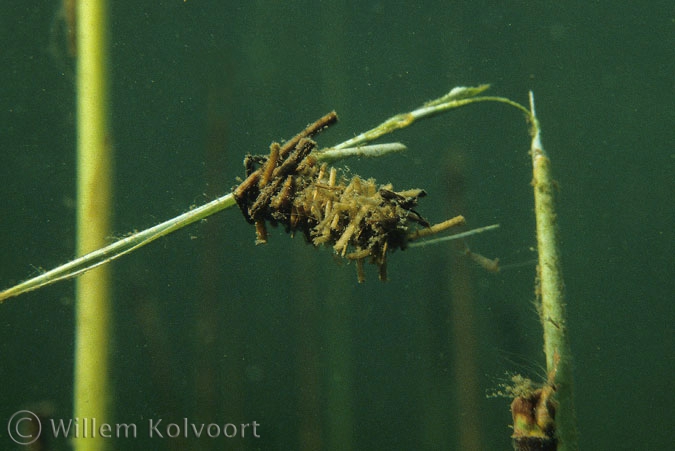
[(119, 248), (453, 237), (92, 394), (550, 291), (457, 97), (377, 150)]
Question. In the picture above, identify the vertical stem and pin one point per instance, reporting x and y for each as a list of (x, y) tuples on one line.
[(463, 334), (337, 315), (94, 199), (340, 425), (551, 292)]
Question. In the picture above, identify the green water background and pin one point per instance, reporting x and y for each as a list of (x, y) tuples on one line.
[(210, 327)]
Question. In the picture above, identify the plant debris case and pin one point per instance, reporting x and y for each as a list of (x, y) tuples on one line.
[(360, 220)]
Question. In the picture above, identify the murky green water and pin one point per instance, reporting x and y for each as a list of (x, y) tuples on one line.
[(210, 328)]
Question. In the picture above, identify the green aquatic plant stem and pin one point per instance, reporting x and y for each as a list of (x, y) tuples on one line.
[(456, 98), (105, 254), (93, 324), (453, 237), (119, 248), (550, 291)]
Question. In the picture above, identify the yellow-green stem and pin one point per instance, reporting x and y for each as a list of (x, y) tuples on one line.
[(550, 291), (94, 205)]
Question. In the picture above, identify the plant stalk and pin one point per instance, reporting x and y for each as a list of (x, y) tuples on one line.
[(550, 291), (457, 97), (94, 205)]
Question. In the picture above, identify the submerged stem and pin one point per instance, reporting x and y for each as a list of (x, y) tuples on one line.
[(456, 98), (119, 248), (92, 391), (455, 236), (550, 291), (332, 154)]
